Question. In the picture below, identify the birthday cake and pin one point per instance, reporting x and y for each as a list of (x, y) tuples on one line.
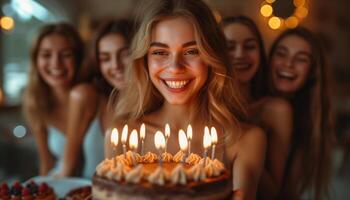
[(135, 177)]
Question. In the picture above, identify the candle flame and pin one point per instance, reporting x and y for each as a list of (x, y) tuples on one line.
[(133, 140), (183, 140), (206, 138), (114, 137), (124, 134), (159, 140), (189, 132), (214, 135), (167, 130), (143, 131)]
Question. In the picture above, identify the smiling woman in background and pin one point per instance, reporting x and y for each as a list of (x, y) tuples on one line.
[(274, 114), (55, 62), (299, 73)]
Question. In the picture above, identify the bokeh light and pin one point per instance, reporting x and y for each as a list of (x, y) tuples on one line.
[(7, 23), (270, 1), (266, 10), (301, 12), (291, 22), (298, 3), (275, 22), (19, 131)]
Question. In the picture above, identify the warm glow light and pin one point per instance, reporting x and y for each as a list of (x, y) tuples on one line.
[(206, 138), (133, 140), (291, 22), (301, 12), (7, 23), (167, 130), (270, 1), (183, 140), (114, 137), (142, 131), (189, 132), (159, 140), (124, 134), (214, 135), (298, 3), (266, 10), (274, 22)]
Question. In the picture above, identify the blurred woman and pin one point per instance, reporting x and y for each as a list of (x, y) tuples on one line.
[(109, 57), (55, 62), (299, 73), (248, 59)]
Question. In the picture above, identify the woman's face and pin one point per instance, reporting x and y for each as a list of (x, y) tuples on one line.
[(243, 51), (290, 64), (174, 62), (112, 56), (56, 61)]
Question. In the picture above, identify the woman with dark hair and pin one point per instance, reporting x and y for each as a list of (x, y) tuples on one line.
[(299, 72), (248, 59)]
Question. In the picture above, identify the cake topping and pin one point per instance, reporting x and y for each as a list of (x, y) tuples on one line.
[(158, 177), (119, 172), (178, 175), (149, 157), (178, 156), (212, 169), (133, 158), (193, 159), (167, 157), (134, 175), (104, 167), (196, 173)]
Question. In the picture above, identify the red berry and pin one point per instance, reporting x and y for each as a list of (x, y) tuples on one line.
[(4, 192), (43, 187), (26, 192), (4, 186), (16, 185)]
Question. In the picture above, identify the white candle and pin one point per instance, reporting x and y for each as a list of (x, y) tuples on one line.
[(133, 141), (206, 142), (142, 136), (114, 141), (124, 138), (189, 137), (167, 135), (159, 142), (183, 143), (214, 141)]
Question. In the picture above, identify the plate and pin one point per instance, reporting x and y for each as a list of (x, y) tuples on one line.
[(61, 185)]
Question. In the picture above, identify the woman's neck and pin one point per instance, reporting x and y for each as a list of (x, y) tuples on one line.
[(246, 92), (178, 116), (61, 95)]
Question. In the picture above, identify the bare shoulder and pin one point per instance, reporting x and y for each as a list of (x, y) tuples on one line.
[(251, 134), (277, 105), (84, 92)]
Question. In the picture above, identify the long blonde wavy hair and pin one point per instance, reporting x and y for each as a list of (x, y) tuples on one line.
[(37, 99), (219, 99)]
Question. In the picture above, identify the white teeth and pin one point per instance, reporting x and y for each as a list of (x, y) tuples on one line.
[(286, 74), (176, 84), (56, 72)]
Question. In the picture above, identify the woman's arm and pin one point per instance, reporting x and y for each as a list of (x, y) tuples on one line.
[(45, 157), (278, 118), (83, 104), (249, 163)]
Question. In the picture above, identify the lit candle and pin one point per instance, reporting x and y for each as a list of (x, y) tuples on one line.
[(183, 143), (167, 135), (142, 136), (114, 140), (124, 138), (189, 137), (206, 142), (159, 142), (133, 141), (214, 141)]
